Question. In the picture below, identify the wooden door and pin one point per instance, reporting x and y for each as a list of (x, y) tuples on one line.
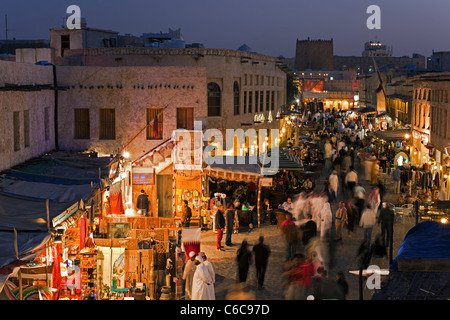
[(164, 195)]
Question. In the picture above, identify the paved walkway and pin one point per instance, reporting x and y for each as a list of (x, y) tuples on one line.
[(345, 253)]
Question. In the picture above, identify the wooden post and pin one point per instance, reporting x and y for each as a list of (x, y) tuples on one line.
[(48, 214), (20, 283), (259, 203)]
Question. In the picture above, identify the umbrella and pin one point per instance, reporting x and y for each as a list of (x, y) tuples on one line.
[(297, 147)]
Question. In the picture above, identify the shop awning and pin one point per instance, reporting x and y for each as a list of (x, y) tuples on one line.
[(365, 110), (393, 135), (251, 168), (240, 168)]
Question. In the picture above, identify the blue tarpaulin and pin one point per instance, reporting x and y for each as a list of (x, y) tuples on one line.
[(427, 240)]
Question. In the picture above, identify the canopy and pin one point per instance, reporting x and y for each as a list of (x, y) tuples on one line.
[(426, 240), (234, 168), (426, 246), (393, 135)]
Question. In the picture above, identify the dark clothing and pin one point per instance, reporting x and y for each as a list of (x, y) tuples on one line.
[(220, 220), (309, 231), (142, 201), (324, 288), (387, 224), (343, 285), (244, 260), (229, 215), (351, 215), (331, 195), (262, 253)]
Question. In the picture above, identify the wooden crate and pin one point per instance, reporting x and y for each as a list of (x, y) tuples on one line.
[(102, 242), (167, 223), (129, 244), (138, 265)]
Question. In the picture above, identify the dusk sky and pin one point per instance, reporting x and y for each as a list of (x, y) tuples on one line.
[(267, 26)]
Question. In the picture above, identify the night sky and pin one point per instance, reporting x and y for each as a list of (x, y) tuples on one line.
[(267, 26)]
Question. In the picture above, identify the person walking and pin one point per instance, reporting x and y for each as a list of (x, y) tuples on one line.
[(308, 229), (188, 275), (289, 229), (396, 175), (243, 259), (261, 253), (386, 219), (334, 182), (229, 216), (219, 224), (186, 214), (142, 203), (341, 219), (342, 282), (212, 274), (201, 283), (368, 220), (351, 217), (351, 180)]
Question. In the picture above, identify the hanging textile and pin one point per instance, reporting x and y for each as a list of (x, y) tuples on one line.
[(56, 272), (115, 200), (83, 231), (191, 241)]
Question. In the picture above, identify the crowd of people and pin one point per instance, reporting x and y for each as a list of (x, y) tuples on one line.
[(314, 220)]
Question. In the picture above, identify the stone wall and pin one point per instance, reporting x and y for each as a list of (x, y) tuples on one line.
[(128, 91), (20, 92)]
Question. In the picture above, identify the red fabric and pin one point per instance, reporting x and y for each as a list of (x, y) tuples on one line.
[(219, 237), (56, 272), (83, 231), (190, 246), (115, 200)]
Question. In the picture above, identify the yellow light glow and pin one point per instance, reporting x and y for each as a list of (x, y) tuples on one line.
[(444, 220)]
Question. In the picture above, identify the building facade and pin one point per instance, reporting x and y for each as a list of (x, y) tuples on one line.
[(27, 105), (431, 116), (242, 89), (105, 109), (314, 55)]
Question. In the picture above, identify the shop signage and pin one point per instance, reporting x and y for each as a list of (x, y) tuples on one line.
[(143, 176), (65, 214), (265, 182)]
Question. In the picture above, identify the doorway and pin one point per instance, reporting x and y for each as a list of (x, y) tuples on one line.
[(164, 195)]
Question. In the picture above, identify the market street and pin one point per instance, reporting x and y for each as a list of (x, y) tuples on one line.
[(226, 267)]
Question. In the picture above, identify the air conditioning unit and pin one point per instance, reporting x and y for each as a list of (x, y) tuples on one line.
[(118, 230)]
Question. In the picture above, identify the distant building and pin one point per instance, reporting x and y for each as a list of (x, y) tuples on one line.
[(439, 61), (244, 89), (64, 39), (431, 115), (376, 49), (171, 39), (314, 55), (10, 46)]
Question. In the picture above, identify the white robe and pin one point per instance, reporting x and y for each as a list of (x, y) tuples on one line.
[(212, 274), (188, 276), (202, 280), (326, 218), (334, 181)]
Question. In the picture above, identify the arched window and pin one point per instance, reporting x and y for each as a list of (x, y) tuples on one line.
[(214, 100), (236, 99)]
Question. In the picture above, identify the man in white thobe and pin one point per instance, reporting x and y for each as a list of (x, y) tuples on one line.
[(212, 273), (188, 275), (201, 281)]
